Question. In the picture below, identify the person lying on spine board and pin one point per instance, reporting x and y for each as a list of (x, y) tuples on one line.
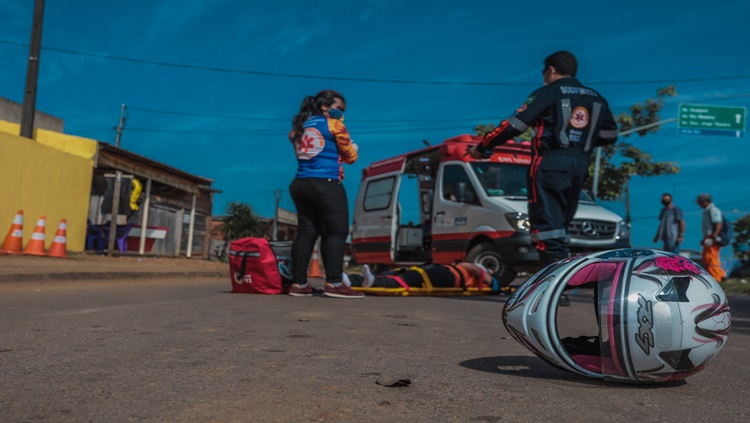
[(459, 275)]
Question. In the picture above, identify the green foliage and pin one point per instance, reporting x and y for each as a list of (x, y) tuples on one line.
[(622, 160), (642, 114), (240, 222), (742, 237), (483, 129)]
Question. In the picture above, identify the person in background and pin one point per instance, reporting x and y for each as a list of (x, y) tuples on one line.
[(671, 225), (321, 143), (712, 224)]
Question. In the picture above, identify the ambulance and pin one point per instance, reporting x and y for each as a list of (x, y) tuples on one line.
[(463, 209)]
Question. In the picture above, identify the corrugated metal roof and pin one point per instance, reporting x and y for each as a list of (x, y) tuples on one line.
[(153, 163)]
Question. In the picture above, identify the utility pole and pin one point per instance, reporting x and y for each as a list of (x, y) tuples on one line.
[(120, 126), (114, 214), (627, 203), (116, 196), (32, 72), (276, 217)]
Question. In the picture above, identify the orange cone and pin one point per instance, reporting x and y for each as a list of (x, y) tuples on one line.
[(314, 269), (14, 241), (59, 244), (35, 247)]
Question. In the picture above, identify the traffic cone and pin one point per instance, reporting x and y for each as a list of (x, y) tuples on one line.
[(59, 244), (14, 241), (35, 247), (314, 269)]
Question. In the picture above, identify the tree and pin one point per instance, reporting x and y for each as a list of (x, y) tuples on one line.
[(620, 161), (240, 222), (482, 129), (742, 238)]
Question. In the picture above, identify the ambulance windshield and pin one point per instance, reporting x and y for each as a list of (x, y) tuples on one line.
[(508, 180), (502, 179)]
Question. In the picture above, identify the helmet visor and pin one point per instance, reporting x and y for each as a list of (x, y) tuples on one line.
[(599, 355)]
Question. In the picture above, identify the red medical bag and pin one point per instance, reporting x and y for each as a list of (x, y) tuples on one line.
[(253, 267)]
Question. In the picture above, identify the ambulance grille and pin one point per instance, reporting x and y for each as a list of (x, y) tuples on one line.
[(592, 229)]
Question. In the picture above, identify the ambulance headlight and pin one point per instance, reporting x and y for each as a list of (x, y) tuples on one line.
[(518, 221), (622, 230)]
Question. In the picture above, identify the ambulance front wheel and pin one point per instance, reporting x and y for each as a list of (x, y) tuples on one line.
[(486, 255)]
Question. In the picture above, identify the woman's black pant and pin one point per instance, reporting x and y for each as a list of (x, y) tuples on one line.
[(322, 211)]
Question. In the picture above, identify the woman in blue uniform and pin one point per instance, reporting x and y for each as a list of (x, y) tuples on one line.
[(321, 143)]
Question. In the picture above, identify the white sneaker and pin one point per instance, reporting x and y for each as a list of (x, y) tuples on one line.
[(369, 277), (345, 280)]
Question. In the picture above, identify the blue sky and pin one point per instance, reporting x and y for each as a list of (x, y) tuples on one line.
[(426, 42)]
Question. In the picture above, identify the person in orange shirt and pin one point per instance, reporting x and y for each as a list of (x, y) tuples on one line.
[(712, 224)]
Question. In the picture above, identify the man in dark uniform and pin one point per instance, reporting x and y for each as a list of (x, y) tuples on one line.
[(569, 120)]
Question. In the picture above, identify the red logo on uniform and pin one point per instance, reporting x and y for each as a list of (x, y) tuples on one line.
[(311, 143), (580, 118), (307, 143)]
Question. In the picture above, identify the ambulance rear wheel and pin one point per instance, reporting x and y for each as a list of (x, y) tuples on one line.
[(486, 255)]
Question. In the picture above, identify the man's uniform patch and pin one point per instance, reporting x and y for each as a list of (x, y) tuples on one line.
[(579, 118)]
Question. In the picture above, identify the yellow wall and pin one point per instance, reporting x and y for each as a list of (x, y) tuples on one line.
[(50, 177), (78, 146)]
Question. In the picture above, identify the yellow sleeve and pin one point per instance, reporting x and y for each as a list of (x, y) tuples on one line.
[(343, 142)]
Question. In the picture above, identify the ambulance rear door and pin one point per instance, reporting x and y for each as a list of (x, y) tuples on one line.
[(376, 213)]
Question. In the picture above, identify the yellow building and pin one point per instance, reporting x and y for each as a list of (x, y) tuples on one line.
[(49, 175), (67, 177)]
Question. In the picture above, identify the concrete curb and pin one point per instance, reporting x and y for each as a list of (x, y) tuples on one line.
[(79, 276)]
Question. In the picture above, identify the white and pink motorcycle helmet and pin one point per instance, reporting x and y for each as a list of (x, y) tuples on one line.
[(661, 317)]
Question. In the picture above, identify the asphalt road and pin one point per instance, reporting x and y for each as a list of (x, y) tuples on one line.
[(171, 350)]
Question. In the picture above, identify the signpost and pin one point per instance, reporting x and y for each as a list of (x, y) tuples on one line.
[(696, 119)]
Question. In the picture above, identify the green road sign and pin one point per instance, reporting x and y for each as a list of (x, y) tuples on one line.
[(698, 119)]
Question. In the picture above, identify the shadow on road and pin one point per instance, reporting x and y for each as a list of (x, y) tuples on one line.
[(521, 366), (536, 368), (739, 306)]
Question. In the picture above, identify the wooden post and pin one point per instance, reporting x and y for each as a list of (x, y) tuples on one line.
[(114, 214), (178, 235), (144, 220), (189, 252)]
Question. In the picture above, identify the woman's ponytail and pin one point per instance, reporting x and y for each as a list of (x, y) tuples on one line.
[(312, 106), (306, 110)]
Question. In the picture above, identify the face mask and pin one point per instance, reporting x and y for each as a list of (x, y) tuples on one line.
[(336, 114), (666, 203)]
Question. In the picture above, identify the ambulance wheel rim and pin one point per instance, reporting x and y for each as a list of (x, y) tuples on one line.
[(491, 260)]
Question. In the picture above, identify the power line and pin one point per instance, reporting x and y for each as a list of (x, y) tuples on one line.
[(175, 112), (255, 118), (374, 80), (496, 118), (732, 97), (283, 132)]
